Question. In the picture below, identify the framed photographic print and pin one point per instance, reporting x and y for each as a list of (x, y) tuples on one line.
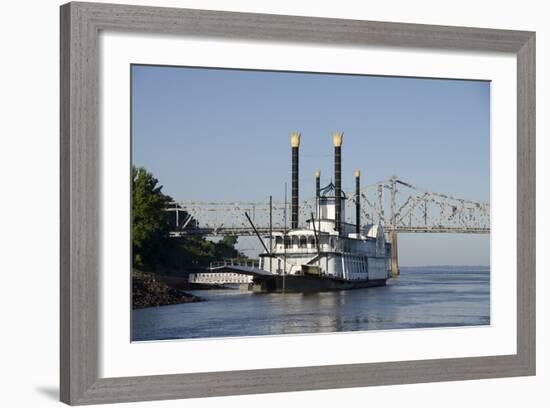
[(261, 203)]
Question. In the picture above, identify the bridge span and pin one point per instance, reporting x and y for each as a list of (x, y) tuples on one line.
[(399, 206)]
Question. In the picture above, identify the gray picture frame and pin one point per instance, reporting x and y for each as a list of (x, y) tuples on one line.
[(80, 192)]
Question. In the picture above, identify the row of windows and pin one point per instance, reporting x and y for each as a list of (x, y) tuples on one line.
[(359, 264), (299, 241)]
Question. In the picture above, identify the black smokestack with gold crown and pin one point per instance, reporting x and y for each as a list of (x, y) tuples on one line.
[(357, 202), (337, 139), (295, 144)]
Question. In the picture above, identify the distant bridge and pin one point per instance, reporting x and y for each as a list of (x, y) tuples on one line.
[(399, 206)]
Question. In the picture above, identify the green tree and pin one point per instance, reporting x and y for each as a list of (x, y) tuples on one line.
[(151, 246), (229, 241), (149, 221)]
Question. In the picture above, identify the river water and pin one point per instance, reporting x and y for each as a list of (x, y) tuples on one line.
[(418, 298)]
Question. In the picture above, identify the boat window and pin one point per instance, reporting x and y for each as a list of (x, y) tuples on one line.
[(303, 242), (332, 243), (295, 240), (311, 242), (278, 240), (287, 241)]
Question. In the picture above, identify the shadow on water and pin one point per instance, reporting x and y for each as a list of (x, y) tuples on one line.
[(419, 298)]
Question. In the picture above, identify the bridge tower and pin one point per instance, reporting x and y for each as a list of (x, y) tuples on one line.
[(393, 234), (394, 258)]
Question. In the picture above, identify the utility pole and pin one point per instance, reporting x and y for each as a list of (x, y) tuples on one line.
[(284, 246), (270, 231), (358, 203), (393, 206), (318, 201)]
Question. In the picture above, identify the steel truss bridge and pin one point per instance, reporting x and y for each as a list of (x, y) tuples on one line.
[(399, 206)]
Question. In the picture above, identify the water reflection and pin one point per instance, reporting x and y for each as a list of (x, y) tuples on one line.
[(418, 298)]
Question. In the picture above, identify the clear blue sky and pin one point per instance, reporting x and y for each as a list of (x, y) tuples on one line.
[(214, 134)]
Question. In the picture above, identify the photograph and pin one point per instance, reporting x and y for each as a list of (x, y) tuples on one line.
[(278, 203), (275, 204)]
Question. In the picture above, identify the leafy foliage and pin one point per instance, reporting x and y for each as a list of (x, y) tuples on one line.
[(151, 245), (195, 252), (149, 226)]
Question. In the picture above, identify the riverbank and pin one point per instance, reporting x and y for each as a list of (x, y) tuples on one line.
[(149, 292)]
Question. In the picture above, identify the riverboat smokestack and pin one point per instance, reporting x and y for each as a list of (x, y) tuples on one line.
[(357, 202), (318, 193), (295, 144), (337, 139), (318, 184)]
